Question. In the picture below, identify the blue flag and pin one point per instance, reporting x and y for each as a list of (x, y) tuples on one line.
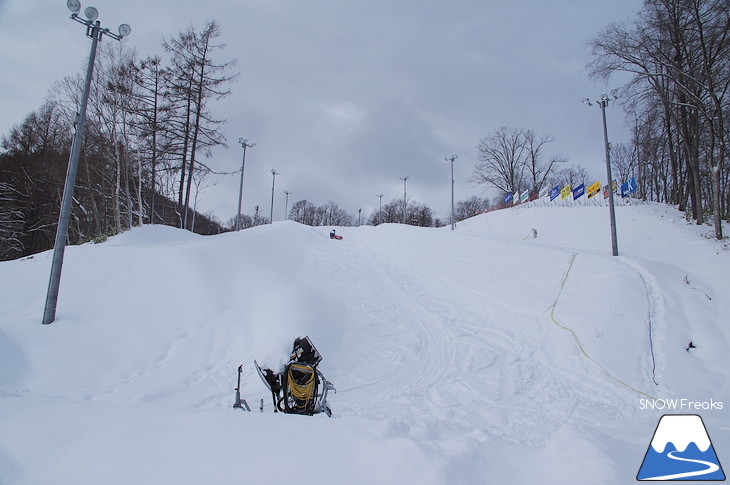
[(554, 192), (579, 191), (628, 187), (508, 198), (632, 185)]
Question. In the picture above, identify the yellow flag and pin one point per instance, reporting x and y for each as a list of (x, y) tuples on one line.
[(565, 192), (594, 189)]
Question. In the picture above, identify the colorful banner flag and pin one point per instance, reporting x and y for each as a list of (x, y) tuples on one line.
[(593, 189), (543, 192), (565, 192), (554, 192), (579, 191), (508, 198), (524, 195), (605, 190), (533, 195)]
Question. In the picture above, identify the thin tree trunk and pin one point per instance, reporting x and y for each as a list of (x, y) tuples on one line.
[(196, 127)]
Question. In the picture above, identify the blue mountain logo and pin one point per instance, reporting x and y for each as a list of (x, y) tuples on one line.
[(681, 450)]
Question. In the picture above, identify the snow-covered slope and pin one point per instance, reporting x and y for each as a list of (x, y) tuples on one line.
[(481, 355)]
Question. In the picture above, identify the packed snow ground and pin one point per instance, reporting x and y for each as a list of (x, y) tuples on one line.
[(483, 355)]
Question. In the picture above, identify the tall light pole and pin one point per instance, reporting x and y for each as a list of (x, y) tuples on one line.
[(380, 210), (274, 173), (603, 102), (244, 143), (95, 32), (286, 206), (451, 159), (404, 198)]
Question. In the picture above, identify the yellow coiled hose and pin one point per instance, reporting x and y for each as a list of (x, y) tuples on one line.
[(302, 392)]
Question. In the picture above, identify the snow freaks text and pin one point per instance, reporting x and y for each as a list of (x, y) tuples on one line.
[(680, 405)]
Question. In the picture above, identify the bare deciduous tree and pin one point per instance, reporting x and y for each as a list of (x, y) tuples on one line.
[(196, 79), (539, 170), (512, 159), (470, 207), (678, 54), (573, 175)]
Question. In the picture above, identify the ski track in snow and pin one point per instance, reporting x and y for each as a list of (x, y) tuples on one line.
[(432, 363)]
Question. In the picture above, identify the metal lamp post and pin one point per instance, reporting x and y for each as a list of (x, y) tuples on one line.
[(286, 205), (244, 143), (95, 32), (451, 159), (273, 181), (404, 198), (380, 210), (603, 102)]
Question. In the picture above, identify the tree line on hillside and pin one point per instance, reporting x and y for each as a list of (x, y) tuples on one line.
[(148, 131), (331, 214), (677, 53), (418, 214)]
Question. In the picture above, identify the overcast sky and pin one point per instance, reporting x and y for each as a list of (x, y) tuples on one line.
[(344, 98)]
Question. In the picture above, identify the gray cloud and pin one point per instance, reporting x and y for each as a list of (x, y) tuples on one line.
[(343, 98)]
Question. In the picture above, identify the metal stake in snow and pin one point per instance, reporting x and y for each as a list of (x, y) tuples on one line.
[(603, 102), (240, 403), (95, 32)]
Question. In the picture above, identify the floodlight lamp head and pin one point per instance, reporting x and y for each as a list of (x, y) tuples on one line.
[(91, 13), (242, 140), (252, 145), (614, 93), (74, 5), (587, 101), (604, 97), (124, 30)]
